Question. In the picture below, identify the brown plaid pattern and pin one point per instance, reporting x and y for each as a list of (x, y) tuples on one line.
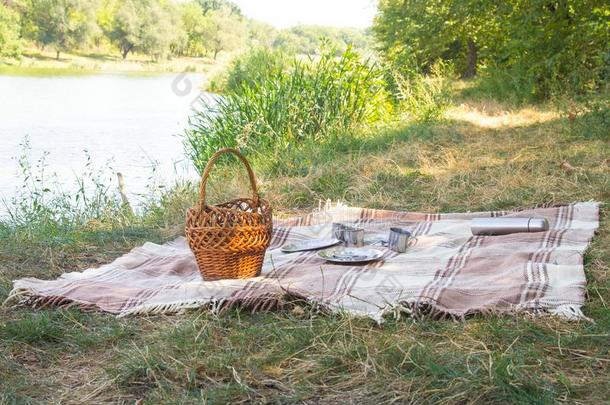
[(445, 271)]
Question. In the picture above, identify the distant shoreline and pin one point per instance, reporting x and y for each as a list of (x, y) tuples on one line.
[(42, 63)]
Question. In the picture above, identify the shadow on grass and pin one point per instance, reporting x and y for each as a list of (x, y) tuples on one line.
[(102, 57), (38, 55)]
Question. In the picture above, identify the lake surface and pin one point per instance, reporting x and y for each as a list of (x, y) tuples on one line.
[(133, 122)]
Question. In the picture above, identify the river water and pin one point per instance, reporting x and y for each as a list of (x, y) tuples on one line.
[(125, 123)]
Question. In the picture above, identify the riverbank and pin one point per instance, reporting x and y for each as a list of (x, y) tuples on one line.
[(36, 62), (483, 155)]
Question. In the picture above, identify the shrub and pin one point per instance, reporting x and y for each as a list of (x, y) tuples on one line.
[(515, 86), (425, 98), (249, 68), (311, 100)]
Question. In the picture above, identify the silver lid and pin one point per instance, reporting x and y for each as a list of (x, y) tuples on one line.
[(538, 224)]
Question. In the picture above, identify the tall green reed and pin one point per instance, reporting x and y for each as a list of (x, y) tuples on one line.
[(310, 101)]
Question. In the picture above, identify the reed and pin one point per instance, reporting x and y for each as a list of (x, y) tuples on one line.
[(312, 100)]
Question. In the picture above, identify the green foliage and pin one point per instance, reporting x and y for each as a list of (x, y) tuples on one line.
[(513, 86), (249, 69), (535, 47), (62, 24), (306, 39), (563, 46), (215, 5), (425, 98), (223, 30), (310, 101), (212, 27), (416, 33), (193, 20), (10, 43), (147, 26), (158, 28)]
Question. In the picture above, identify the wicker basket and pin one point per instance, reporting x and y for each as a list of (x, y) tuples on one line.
[(229, 240)]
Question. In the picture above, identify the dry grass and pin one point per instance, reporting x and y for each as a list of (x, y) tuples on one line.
[(297, 355), (493, 115), (458, 165)]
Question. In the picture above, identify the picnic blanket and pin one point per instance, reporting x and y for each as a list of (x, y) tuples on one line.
[(446, 270)]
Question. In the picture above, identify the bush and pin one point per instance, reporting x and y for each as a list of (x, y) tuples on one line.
[(311, 100), (248, 69), (425, 98), (515, 87)]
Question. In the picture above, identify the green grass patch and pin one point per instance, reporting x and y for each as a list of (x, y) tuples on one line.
[(482, 156)]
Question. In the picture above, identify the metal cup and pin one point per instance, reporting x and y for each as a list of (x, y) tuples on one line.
[(353, 237), (338, 229), (399, 239)]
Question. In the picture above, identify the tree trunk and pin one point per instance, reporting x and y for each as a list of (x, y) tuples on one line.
[(56, 55), (216, 53), (471, 61), (125, 50)]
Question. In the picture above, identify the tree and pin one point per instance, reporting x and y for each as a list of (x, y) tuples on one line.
[(307, 39), (147, 26), (193, 22), (562, 45), (223, 30), (260, 34), (545, 44), (62, 24), (419, 32), (215, 5), (9, 32)]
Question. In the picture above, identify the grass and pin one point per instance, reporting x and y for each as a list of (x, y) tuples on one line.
[(36, 62), (483, 155), (308, 101)]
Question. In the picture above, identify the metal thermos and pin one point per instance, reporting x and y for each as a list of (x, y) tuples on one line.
[(504, 226)]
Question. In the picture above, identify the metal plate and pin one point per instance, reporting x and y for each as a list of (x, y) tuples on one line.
[(350, 255), (311, 244)]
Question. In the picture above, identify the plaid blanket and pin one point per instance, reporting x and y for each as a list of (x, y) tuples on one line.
[(446, 270)]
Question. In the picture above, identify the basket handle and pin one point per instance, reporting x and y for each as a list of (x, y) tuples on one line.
[(208, 169)]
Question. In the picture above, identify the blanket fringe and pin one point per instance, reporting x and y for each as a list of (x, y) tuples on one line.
[(417, 311), (24, 296), (215, 306), (570, 312), (403, 309)]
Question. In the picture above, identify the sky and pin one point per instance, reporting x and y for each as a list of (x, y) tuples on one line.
[(288, 13)]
